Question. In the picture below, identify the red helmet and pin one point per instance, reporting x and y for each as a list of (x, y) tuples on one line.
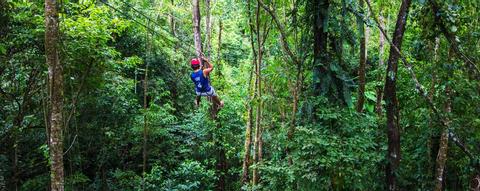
[(195, 62)]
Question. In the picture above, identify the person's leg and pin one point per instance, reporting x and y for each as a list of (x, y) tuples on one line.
[(217, 101), (197, 100)]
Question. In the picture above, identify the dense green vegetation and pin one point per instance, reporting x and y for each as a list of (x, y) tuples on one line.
[(313, 99)]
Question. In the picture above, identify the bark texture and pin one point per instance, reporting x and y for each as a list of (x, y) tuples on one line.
[(393, 129), (219, 49), (208, 26), (55, 76), (145, 107), (443, 142), (257, 157), (247, 146), (196, 29), (362, 61), (320, 32), (251, 97), (381, 50)]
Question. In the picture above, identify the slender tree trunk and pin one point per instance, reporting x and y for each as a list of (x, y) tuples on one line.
[(173, 24), (320, 55), (363, 60), (433, 142), (196, 29), (247, 146), (219, 48), (441, 161), (15, 162), (251, 97), (55, 73), (257, 157), (443, 143), (393, 129), (381, 47), (296, 91), (172, 21), (248, 131), (208, 26), (145, 107)]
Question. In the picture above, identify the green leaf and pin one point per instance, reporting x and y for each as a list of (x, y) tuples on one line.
[(453, 28), (3, 50)]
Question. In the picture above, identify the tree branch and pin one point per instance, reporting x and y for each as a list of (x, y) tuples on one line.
[(421, 90), (281, 28), (452, 39)]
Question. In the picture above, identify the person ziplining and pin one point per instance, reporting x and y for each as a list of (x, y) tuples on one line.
[(200, 77), (202, 67)]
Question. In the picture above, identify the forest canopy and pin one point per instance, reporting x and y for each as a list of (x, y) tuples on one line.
[(302, 95)]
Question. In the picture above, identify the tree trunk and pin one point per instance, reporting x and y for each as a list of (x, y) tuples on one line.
[(257, 157), (248, 142), (173, 25), (381, 46), (145, 107), (363, 60), (393, 129), (475, 182), (320, 55), (15, 162), (293, 123), (443, 143), (296, 93), (196, 29), (219, 48), (433, 142), (55, 73), (472, 68), (441, 161), (208, 26), (248, 131)]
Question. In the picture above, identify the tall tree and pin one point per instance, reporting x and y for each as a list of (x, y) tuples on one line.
[(258, 154), (381, 50), (196, 28), (219, 48), (173, 24), (443, 142), (55, 77), (295, 59), (320, 36), (248, 131), (251, 96), (297, 87), (208, 28), (393, 129), (362, 60), (145, 107)]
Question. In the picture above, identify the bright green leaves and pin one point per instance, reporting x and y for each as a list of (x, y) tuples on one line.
[(189, 175), (97, 27), (131, 62)]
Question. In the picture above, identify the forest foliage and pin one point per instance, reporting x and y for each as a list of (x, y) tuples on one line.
[(289, 72)]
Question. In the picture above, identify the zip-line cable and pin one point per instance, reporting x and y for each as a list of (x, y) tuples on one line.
[(186, 49), (153, 20)]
